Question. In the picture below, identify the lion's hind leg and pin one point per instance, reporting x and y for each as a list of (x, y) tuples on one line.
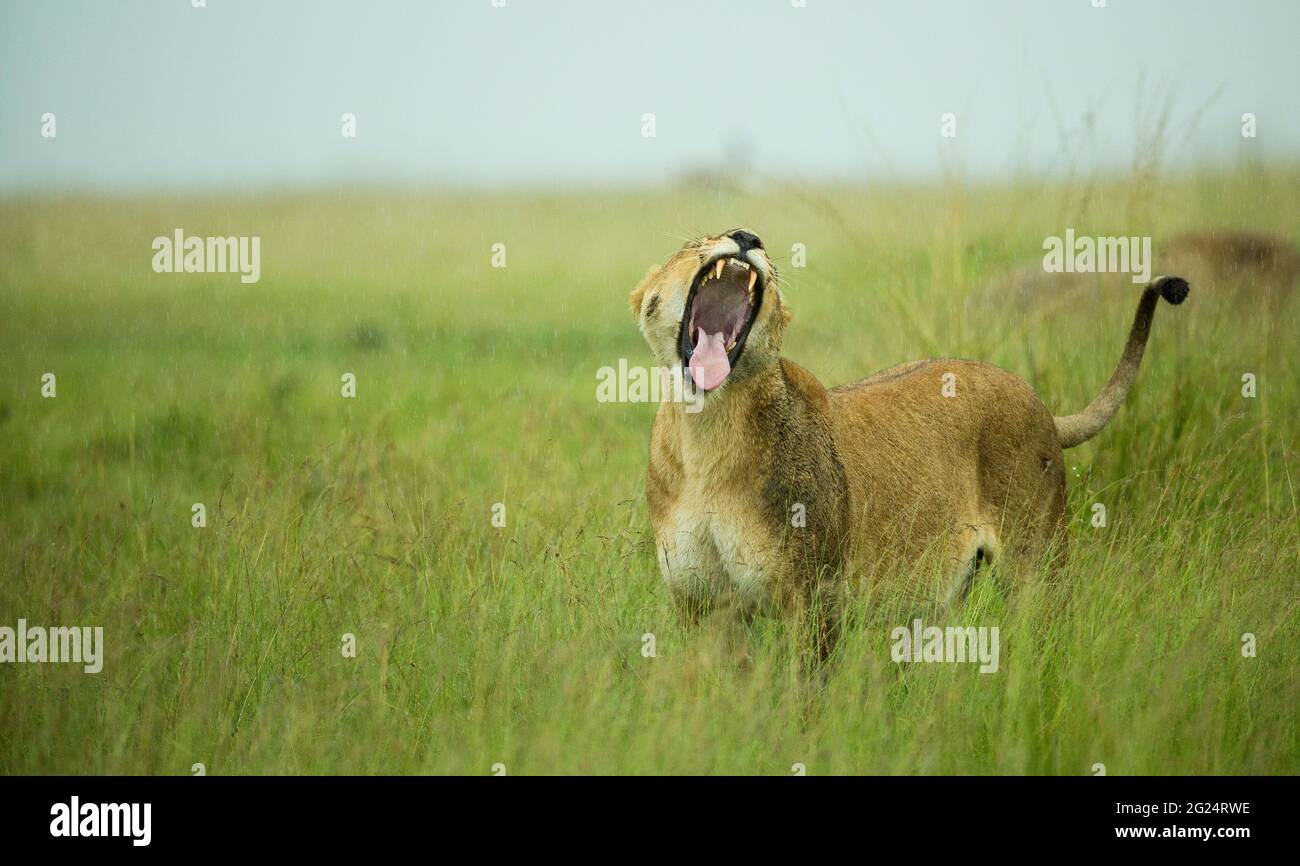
[(976, 545)]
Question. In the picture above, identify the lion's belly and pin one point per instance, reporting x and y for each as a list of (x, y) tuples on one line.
[(706, 554)]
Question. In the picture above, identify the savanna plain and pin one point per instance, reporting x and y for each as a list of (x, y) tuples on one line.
[(525, 644)]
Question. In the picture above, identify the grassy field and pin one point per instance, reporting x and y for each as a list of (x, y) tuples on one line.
[(522, 645)]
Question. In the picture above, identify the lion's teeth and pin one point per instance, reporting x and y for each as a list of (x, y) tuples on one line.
[(744, 264), (753, 278), (717, 271), (731, 345)]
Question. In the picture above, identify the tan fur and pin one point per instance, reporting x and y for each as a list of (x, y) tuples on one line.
[(898, 482)]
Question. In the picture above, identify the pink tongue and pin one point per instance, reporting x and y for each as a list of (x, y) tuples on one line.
[(709, 364)]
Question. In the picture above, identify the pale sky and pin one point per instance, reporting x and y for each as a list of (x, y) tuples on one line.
[(245, 94)]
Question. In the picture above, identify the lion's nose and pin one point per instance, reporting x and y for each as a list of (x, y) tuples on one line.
[(747, 241)]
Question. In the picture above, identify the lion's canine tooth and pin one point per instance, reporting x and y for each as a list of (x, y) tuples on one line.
[(731, 345), (753, 278), (717, 272)]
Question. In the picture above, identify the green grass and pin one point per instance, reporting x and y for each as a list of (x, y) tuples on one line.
[(522, 645)]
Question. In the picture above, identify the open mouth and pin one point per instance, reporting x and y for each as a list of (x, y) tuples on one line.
[(725, 297)]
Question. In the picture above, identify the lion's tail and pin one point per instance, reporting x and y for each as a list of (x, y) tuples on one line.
[(1076, 429)]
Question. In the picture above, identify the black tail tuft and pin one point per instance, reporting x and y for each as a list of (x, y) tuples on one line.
[(1173, 289)]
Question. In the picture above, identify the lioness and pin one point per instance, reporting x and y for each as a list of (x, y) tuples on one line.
[(765, 487)]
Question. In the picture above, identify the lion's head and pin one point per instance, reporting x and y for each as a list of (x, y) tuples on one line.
[(714, 309)]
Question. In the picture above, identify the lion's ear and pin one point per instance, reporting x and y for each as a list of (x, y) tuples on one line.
[(638, 294)]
